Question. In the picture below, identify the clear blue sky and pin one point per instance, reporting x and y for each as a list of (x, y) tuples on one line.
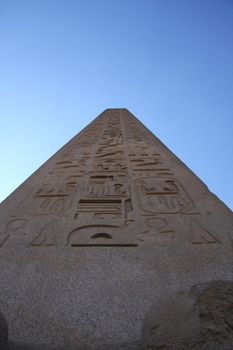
[(170, 62)]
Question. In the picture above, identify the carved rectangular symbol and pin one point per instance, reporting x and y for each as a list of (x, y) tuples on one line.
[(162, 195)]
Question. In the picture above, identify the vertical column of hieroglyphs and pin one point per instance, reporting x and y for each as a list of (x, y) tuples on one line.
[(108, 187), (48, 207), (105, 206), (163, 204)]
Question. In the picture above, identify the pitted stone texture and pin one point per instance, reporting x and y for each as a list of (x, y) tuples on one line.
[(109, 225), (3, 330), (198, 320), (126, 346), (215, 304)]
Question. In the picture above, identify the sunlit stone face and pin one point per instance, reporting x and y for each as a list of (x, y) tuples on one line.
[(109, 229)]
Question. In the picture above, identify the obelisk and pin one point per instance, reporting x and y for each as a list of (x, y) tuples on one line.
[(115, 244)]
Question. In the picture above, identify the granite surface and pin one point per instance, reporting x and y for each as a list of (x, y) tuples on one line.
[(115, 244)]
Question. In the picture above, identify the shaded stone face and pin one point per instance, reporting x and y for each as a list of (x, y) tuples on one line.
[(110, 234), (198, 319)]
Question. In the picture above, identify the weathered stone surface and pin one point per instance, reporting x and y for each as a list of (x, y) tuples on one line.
[(198, 319), (109, 230), (3, 330)]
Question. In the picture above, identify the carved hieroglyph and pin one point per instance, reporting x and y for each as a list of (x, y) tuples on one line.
[(109, 223)]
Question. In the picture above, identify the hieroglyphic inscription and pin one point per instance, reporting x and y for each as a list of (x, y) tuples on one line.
[(61, 185), (200, 235), (158, 231), (54, 197), (15, 228), (157, 189), (162, 195), (106, 194), (47, 237), (111, 186), (97, 236)]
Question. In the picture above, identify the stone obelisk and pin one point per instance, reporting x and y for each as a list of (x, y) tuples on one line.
[(115, 244)]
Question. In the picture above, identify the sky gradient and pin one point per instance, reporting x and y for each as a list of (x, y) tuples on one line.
[(170, 62)]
